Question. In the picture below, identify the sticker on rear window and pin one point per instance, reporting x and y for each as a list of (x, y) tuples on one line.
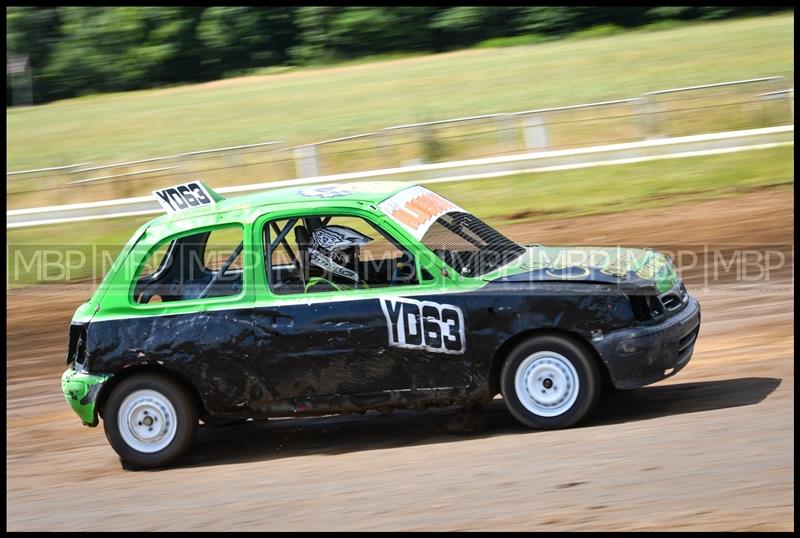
[(415, 209)]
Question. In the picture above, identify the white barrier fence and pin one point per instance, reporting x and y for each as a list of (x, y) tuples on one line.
[(464, 170), (726, 106)]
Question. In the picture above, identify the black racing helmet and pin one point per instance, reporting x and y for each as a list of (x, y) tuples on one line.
[(336, 249)]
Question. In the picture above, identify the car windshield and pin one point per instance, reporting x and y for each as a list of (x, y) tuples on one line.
[(469, 245)]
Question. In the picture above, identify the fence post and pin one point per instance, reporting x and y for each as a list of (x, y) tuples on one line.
[(432, 150), (649, 119), (230, 163), (306, 162), (535, 132), (181, 164), (506, 133), (383, 149)]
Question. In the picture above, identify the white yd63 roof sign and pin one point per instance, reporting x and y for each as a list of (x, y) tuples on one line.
[(186, 196)]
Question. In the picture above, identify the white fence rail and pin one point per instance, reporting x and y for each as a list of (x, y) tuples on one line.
[(678, 112), (449, 171)]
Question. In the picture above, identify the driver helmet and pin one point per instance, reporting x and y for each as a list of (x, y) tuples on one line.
[(336, 249)]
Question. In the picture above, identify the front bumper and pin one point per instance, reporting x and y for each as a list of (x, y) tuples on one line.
[(81, 390), (642, 355)]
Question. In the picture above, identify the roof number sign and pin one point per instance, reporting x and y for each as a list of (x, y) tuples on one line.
[(185, 196)]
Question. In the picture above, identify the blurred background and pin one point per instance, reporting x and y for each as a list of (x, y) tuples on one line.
[(670, 127)]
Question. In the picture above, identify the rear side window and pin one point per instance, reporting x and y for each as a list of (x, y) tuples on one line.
[(221, 243), (197, 265)]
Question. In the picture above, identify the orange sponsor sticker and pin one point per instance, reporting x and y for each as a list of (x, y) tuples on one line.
[(416, 208), (422, 209)]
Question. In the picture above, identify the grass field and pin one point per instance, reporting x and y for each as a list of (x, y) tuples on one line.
[(309, 105), (501, 201), (612, 189)]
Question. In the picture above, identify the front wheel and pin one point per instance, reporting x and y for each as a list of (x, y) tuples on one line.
[(149, 420), (550, 382)]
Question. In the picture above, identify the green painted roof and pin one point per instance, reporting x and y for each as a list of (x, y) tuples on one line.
[(372, 192)]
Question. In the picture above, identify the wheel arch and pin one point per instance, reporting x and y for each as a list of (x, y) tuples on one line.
[(505, 348), (126, 373)]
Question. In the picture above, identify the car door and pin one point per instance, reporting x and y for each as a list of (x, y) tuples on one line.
[(404, 336)]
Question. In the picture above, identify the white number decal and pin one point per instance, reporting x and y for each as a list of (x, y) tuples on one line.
[(424, 325)]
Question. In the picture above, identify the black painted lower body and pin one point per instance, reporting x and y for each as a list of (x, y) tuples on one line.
[(331, 404), (643, 355)]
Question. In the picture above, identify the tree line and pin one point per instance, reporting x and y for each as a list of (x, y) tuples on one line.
[(71, 51)]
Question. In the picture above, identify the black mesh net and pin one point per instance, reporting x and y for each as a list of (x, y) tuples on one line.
[(469, 245)]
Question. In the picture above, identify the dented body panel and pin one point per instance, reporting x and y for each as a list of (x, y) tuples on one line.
[(439, 342), (81, 391)]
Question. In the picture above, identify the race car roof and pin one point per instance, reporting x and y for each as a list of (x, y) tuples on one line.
[(372, 192)]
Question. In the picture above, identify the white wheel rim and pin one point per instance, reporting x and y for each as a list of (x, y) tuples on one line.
[(547, 384), (147, 421)]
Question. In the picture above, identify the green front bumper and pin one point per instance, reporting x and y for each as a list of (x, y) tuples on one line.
[(81, 390)]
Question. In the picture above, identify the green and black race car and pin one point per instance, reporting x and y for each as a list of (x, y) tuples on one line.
[(329, 299)]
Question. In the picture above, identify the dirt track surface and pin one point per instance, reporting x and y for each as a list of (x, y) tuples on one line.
[(709, 449)]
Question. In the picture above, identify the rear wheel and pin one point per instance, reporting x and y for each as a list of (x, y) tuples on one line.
[(149, 420), (550, 382)]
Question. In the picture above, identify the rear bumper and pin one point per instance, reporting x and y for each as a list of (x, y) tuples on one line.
[(642, 355), (81, 390)]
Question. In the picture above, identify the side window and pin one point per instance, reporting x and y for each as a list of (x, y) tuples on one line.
[(194, 266), (314, 254), (220, 245)]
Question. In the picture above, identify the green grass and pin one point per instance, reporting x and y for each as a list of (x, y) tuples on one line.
[(619, 188), (312, 104), (600, 30), (501, 201), (512, 41)]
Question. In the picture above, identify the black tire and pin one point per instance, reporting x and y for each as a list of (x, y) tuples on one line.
[(560, 349), (186, 421)]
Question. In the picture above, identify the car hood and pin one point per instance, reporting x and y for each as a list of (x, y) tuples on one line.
[(610, 265)]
